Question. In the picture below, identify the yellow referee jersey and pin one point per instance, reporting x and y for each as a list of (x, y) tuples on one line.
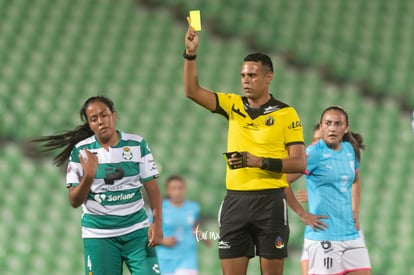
[(265, 131)]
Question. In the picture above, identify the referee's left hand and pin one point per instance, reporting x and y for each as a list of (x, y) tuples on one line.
[(244, 159)]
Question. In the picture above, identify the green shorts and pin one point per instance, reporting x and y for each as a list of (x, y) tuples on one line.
[(106, 256)]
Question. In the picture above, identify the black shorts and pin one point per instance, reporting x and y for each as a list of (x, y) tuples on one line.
[(254, 220)]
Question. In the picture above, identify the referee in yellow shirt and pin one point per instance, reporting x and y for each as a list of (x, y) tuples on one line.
[(265, 141)]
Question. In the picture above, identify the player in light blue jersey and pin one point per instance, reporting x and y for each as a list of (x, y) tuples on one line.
[(332, 238), (106, 171), (178, 253), (302, 196)]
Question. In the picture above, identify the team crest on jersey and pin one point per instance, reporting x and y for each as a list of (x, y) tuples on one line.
[(127, 154), (270, 121), (279, 243)]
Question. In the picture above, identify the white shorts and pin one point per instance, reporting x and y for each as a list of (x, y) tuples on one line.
[(336, 257), (305, 257)]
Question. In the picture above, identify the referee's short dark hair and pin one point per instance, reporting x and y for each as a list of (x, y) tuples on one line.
[(262, 58)]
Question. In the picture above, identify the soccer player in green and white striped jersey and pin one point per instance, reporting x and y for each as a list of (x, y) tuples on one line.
[(106, 171)]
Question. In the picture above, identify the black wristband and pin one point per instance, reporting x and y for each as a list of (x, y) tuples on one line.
[(189, 57), (274, 165), (244, 159)]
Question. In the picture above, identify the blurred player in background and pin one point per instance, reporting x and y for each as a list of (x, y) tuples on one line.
[(316, 134), (178, 253), (265, 141), (333, 242), (106, 171)]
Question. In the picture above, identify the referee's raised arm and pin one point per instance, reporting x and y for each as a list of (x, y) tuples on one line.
[(192, 89)]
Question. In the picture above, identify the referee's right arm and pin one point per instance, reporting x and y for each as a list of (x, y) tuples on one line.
[(192, 89)]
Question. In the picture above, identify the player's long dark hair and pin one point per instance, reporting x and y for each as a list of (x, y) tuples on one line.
[(352, 137), (68, 139)]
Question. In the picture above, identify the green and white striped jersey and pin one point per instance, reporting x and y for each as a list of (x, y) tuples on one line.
[(115, 205)]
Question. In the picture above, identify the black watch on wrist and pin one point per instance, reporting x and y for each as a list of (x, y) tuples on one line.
[(189, 57)]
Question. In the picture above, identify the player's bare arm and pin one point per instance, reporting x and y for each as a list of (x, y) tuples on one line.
[(155, 234), (356, 197), (314, 221)]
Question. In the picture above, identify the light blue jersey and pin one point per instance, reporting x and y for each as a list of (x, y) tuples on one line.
[(329, 178), (179, 222)]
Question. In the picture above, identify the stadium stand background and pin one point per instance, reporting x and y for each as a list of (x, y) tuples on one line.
[(55, 54)]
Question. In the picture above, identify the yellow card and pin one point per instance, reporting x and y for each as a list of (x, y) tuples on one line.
[(195, 20)]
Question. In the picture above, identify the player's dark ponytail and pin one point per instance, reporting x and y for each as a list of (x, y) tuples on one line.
[(357, 142), (68, 139)]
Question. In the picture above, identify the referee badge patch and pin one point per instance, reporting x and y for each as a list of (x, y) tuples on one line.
[(279, 243), (270, 121)]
